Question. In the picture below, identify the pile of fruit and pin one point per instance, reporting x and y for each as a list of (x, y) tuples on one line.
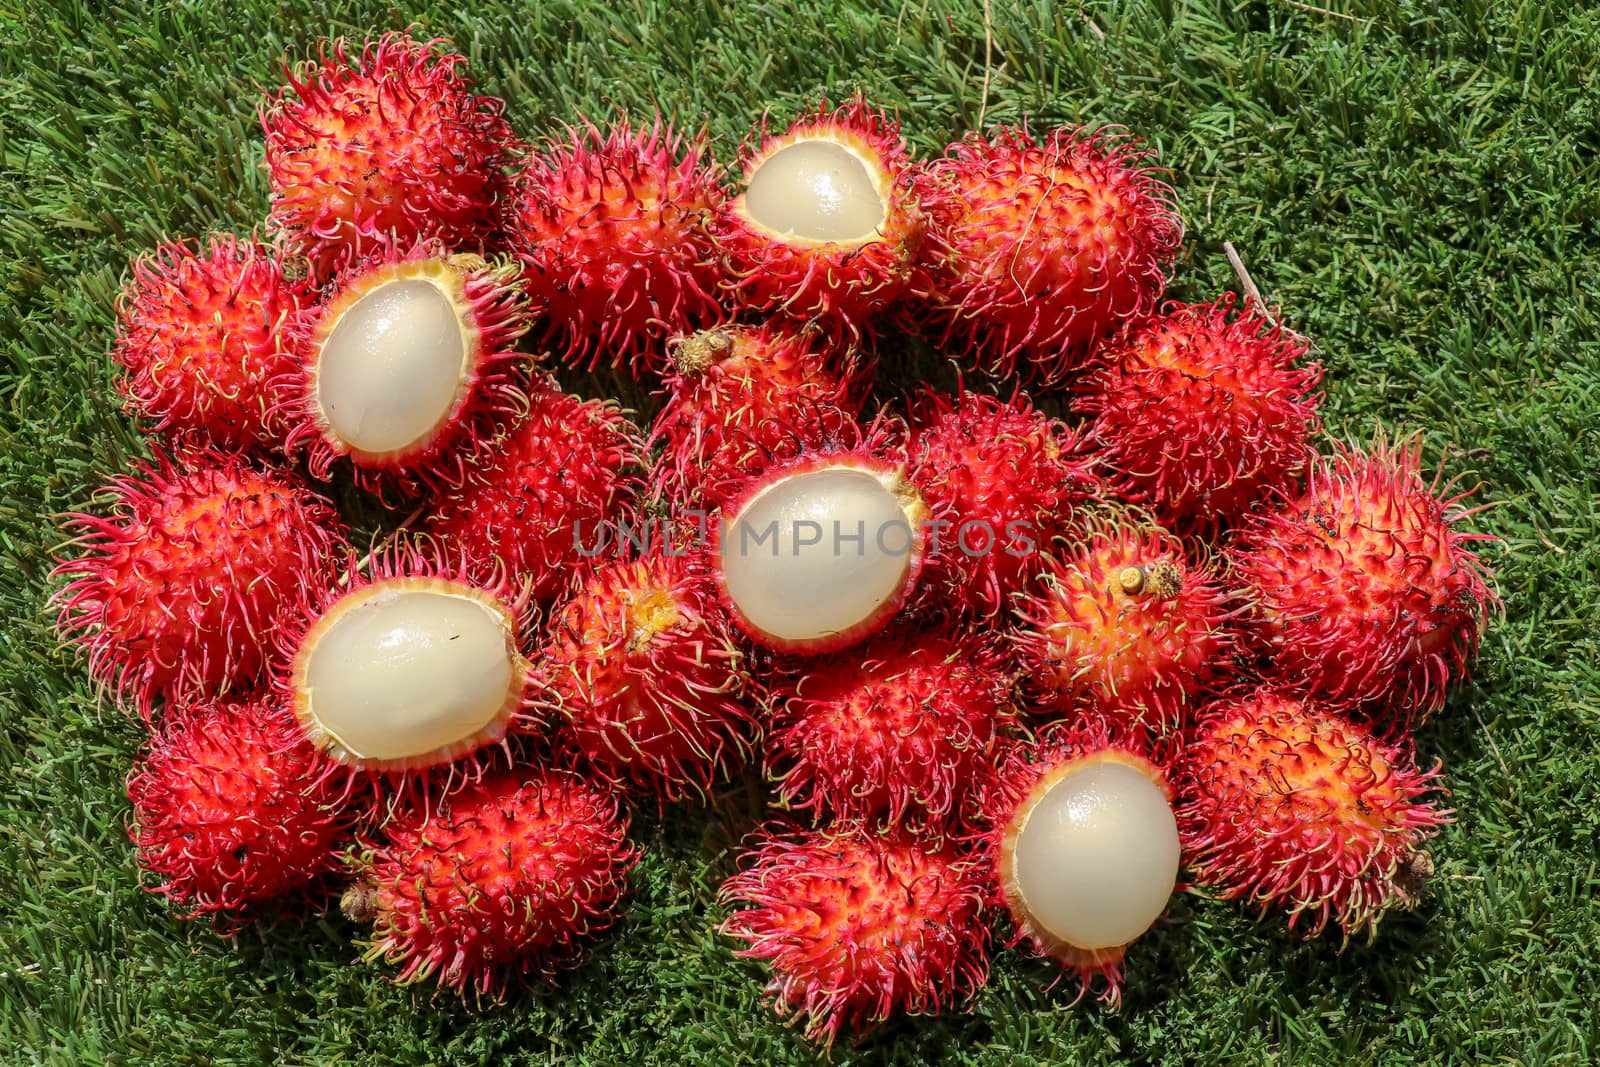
[(1005, 672)]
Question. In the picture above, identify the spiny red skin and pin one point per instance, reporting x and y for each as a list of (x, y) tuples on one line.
[(642, 668), (891, 734), (740, 398), (1293, 808), (611, 232), (1038, 250), (201, 339), (1367, 594), (859, 927), (1139, 656), (228, 811), (570, 466), (1203, 412), (391, 144), (193, 569), (507, 881), (1010, 476), (839, 286)]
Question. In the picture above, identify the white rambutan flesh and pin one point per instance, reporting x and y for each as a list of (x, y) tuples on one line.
[(816, 190)]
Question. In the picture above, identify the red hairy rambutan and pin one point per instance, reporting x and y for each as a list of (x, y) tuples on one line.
[(641, 666), (1037, 251), (182, 585), (228, 811), (611, 231), (826, 225), (509, 879), (1366, 593), (391, 144), (201, 339), (1291, 807), (1202, 412), (893, 733), (1009, 476), (858, 928)]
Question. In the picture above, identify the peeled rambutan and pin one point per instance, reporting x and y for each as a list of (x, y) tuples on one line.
[(642, 667), (408, 369), (1037, 251), (1203, 412), (229, 812), (201, 338), (611, 230), (826, 225), (1083, 848), (1009, 476), (1125, 624), (393, 144), (893, 733), (182, 585), (549, 488), (858, 928), (1366, 593), (507, 880), (741, 398), (1292, 807)]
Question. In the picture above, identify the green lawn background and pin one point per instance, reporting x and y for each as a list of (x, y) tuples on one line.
[(1416, 184)]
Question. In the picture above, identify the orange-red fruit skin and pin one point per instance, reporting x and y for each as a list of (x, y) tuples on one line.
[(183, 583), (645, 678), (611, 232), (392, 143), (858, 928), (506, 881), (1293, 808), (202, 339), (1039, 249), (1204, 412), (1367, 594), (229, 813)]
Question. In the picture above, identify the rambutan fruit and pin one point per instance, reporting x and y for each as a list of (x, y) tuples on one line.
[(611, 230), (229, 812), (1083, 846), (1125, 624), (410, 666), (393, 144), (893, 733), (547, 489), (182, 584), (507, 880), (741, 398), (1038, 250), (1291, 807), (1366, 592), (1203, 412), (201, 338), (409, 368), (642, 667), (858, 928), (1009, 476), (826, 225)]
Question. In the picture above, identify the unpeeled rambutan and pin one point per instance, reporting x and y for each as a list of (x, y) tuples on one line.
[(1202, 413), (391, 144), (506, 880), (1366, 593), (229, 812), (201, 338), (611, 231), (1292, 807), (1037, 251), (182, 585), (858, 928)]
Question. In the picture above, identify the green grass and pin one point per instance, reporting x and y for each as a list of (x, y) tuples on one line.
[(1416, 184)]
